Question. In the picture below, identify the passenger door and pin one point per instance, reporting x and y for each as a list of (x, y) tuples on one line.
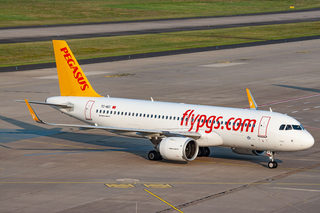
[(88, 109), (263, 126)]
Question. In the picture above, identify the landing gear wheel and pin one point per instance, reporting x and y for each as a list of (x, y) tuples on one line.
[(201, 152), (272, 164), (154, 155), (207, 151)]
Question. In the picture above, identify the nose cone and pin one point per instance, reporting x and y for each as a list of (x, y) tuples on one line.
[(307, 141)]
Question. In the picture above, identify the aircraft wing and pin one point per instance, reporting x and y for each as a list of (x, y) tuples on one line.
[(144, 132)]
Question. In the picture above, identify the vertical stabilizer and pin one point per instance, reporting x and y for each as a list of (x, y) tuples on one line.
[(72, 80)]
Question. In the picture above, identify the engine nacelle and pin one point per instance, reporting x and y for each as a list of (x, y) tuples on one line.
[(247, 151), (178, 149)]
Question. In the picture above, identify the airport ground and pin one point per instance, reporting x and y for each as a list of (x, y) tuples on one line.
[(45, 169)]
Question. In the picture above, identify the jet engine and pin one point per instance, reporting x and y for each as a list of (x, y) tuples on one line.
[(247, 151), (178, 149)]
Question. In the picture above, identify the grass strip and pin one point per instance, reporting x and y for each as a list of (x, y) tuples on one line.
[(42, 52), (48, 12)]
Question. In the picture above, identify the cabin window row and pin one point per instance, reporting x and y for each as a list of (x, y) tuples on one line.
[(165, 117), (137, 114)]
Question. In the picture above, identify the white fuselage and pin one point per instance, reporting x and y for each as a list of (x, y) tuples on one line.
[(218, 126)]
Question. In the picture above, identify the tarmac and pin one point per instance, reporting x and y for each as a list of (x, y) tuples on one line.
[(70, 170), (45, 169)]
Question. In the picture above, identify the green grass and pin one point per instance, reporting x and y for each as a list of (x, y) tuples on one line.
[(41, 52), (48, 12)]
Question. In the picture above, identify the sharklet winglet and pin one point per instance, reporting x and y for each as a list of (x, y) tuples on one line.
[(252, 103), (33, 113)]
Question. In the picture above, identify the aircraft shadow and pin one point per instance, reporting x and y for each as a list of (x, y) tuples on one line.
[(299, 88), (138, 147), (227, 154)]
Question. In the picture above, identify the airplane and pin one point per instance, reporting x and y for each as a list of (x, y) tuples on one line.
[(178, 131)]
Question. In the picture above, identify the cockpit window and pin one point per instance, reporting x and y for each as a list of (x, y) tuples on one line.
[(282, 127), (296, 127), (288, 127)]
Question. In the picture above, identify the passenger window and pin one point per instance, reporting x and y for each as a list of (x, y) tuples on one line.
[(166, 117), (140, 114), (296, 127), (148, 116), (170, 117), (151, 116), (118, 112), (162, 116), (125, 113), (121, 113), (115, 112), (100, 110), (108, 112), (288, 127), (97, 111), (174, 118), (282, 127), (178, 118)]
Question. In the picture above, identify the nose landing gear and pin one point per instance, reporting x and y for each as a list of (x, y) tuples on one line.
[(272, 164)]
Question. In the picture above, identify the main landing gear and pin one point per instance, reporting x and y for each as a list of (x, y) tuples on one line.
[(154, 155), (272, 164), (204, 152)]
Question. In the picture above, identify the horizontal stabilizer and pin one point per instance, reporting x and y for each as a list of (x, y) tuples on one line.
[(45, 103)]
